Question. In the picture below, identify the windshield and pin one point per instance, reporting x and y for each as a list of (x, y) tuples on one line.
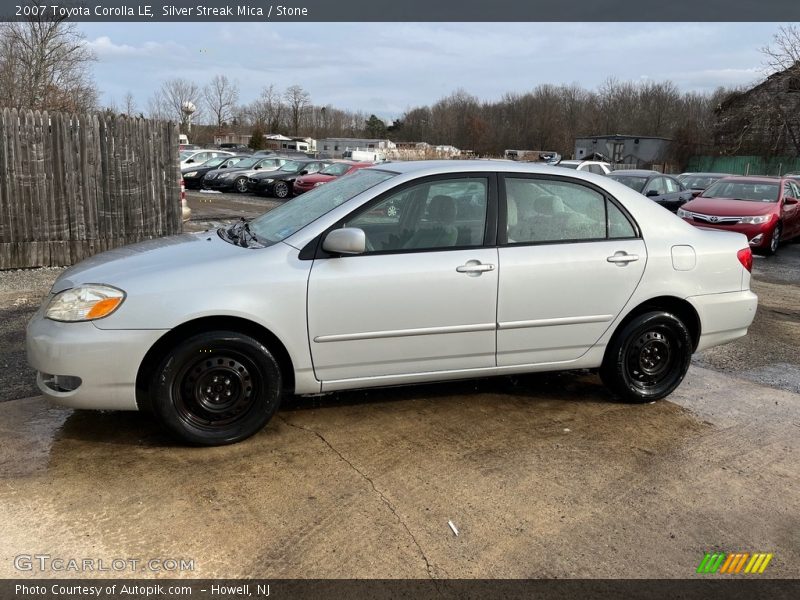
[(752, 191), (632, 181), (292, 166), (186, 154), (335, 169), (215, 161), (246, 163), (698, 183), (280, 223)]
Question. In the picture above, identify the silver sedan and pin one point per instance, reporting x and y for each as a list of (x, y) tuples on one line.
[(397, 274)]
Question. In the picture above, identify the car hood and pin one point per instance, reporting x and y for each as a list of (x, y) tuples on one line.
[(160, 256), (275, 175), (724, 207), (245, 172), (316, 178)]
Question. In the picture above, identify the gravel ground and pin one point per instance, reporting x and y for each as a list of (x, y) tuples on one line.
[(21, 293), (768, 355)]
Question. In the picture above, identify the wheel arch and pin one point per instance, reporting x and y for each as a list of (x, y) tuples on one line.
[(189, 328), (678, 306)]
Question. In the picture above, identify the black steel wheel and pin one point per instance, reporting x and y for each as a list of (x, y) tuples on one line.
[(216, 388), (280, 190), (648, 358), (241, 185)]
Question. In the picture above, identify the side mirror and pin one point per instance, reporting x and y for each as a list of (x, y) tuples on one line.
[(651, 193), (303, 173), (349, 240), (790, 201), (191, 160), (696, 193)]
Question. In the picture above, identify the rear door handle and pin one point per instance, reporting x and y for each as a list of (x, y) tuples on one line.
[(622, 258), (474, 268)]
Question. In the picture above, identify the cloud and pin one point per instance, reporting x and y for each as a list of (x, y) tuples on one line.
[(105, 49)]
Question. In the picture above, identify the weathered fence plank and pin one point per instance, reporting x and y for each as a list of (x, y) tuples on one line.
[(73, 185)]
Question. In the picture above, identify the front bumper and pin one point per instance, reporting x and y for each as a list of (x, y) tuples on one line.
[(106, 361), (724, 317), (218, 184), (750, 230)]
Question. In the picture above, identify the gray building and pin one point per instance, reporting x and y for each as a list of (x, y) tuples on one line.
[(638, 150), (334, 147)]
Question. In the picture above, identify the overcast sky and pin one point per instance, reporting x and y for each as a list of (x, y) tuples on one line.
[(385, 68)]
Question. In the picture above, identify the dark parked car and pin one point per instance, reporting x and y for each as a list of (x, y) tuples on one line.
[(697, 183), (237, 179), (280, 183), (193, 176), (765, 209), (663, 189)]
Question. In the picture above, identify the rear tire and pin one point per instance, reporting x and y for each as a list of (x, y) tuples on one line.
[(216, 388), (648, 358)]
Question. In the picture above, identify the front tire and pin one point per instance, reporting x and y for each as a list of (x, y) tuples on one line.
[(216, 388), (648, 358), (774, 240), (281, 190), (240, 185)]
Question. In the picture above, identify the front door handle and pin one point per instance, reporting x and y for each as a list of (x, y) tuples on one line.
[(474, 268), (622, 258)]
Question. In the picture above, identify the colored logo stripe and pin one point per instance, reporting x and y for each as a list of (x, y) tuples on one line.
[(734, 563)]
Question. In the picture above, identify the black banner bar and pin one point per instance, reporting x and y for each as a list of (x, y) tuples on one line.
[(404, 10), (705, 587)]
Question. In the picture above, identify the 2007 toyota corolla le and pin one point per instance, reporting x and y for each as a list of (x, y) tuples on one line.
[(396, 274)]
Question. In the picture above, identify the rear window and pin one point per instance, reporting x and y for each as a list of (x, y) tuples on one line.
[(632, 181)]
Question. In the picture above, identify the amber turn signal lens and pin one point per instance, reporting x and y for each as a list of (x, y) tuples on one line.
[(103, 308)]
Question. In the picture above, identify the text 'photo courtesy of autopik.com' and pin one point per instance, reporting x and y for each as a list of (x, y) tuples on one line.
[(380, 300)]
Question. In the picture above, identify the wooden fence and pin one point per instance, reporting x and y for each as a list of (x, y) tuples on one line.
[(74, 185)]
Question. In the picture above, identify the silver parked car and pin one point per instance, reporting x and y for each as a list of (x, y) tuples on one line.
[(396, 274)]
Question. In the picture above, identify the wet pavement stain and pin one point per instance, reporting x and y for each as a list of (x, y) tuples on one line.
[(544, 475)]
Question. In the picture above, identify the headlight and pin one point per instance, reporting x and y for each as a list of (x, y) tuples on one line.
[(684, 214), (190, 174), (267, 180), (756, 220), (84, 303)]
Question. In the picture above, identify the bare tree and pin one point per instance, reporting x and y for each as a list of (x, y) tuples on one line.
[(784, 52), (268, 110), (44, 65), (129, 104), (169, 101), (297, 99), (221, 96)]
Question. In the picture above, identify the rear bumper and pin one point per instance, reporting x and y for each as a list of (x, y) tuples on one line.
[(105, 362), (724, 317)]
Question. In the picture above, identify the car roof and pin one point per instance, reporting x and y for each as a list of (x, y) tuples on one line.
[(434, 167), (639, 172), (755, 178), (708, 174)]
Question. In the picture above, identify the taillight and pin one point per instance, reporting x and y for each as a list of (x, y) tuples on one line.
[(745, 256), (183, 191)]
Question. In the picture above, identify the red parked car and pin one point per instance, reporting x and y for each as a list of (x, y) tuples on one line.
[(329, 173), (765, 209)]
